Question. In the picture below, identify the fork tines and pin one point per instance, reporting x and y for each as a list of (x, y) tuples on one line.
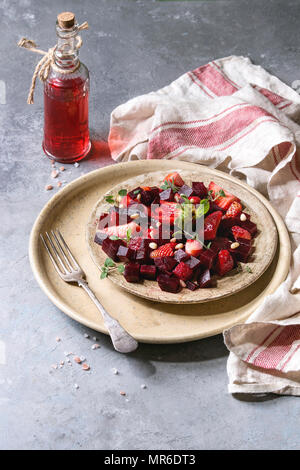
[(59, 252)]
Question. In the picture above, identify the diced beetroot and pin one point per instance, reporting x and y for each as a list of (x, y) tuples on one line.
[(148, 272), (168, 284), (227, 223), (142, 253), (181, 255), (125, 254), (100, 237), (243, 252), (167, 195), (213, 207), (193, 263), (183, 271), (191, 285), (205, 279), (148, 196), (134, 192), (221, 243), (111, 247), (225, 262), (165, 264), (132, 272), (186, 190), (207, 258), (211, 225), (199, 189), (251, 227)]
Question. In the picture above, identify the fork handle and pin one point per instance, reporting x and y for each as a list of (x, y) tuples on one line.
[(122, 341)]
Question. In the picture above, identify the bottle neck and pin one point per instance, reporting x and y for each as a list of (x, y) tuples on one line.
[(66, 55)]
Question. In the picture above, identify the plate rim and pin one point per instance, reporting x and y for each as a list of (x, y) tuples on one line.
[(279, 275)]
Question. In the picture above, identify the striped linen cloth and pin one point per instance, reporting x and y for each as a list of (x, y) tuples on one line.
[(234, 116)]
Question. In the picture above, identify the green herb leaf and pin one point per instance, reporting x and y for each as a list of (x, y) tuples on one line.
[(202, 208), (109, 263), (103, 274), (137, 191), (248, 269), (121, 268), (128, 235), (109, 199), (221, 193), (122, 192), (114, 237), (208, 246)]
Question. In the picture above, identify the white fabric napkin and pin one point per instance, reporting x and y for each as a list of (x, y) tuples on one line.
[(234, 116)]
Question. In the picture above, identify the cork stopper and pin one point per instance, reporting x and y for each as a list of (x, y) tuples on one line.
[(66, 20)]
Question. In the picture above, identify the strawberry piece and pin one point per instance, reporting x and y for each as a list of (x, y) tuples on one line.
[(194, 199), (193, 247), (174, 178), (167, 212), (121, 230), (223, 201), (224, 263), (163, 251), (211, 225), (235, 209), (183, 271), (239, 232), (126, 201)]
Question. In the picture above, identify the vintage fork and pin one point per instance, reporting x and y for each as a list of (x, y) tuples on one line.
[(69, 270)]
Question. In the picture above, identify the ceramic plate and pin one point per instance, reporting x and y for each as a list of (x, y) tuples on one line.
[(264, 243), (148, 321)]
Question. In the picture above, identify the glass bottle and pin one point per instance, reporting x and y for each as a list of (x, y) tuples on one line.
[(66, 95)]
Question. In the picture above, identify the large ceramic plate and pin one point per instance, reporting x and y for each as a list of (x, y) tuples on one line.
[(147, 321), (264, 243)]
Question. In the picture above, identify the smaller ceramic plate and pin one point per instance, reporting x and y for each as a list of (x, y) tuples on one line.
[(264, 243)]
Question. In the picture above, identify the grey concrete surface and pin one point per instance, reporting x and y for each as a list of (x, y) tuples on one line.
[(132, 47)]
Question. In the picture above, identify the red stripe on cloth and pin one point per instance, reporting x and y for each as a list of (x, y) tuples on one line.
[(249, 132), (262, 343), (199, 85), (270, 357), (226, 76), (210, 135), (170, 123), (214, 80), (273, 97), (274, 156), (289, 358)]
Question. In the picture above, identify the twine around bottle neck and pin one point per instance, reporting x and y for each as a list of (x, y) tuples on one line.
[(43, 67)]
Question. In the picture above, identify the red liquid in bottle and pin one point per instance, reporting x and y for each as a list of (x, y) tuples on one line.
[(66, 131)]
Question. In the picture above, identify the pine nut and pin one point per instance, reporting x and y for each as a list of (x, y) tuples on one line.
[(173, 240), (176, 197), (119, 198), (151, 233), (179, 246), (134, 216), (243, 217), (182, 283), (153, 246), (158, 224), (121, 206), (138, 197), (234, 245), (192, 200)]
